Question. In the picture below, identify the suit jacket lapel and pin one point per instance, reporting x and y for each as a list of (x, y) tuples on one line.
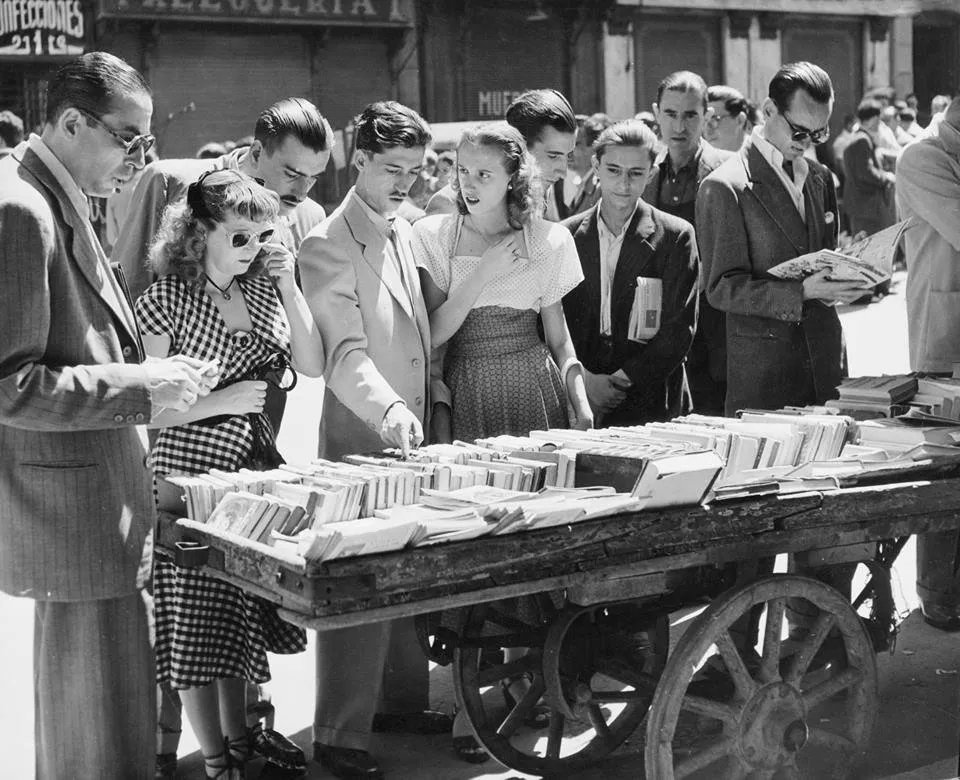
[(413, 282), (587, 239), (86, 251), (635, 254), (375, 253), (772, 195)]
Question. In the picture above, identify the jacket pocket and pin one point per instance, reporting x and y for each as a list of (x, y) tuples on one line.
[(942, 335)]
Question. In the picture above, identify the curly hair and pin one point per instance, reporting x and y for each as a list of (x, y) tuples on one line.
[(181, 242), (525, 193)]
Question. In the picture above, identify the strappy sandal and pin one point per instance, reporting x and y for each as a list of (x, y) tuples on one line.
[(220, 766)]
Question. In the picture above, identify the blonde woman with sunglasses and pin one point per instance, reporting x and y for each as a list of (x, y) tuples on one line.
[(226, 294)]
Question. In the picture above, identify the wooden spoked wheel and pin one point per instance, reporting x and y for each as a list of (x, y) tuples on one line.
[(593, 668), (797, 706)]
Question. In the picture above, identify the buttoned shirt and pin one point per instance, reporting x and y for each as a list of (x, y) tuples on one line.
[(610, 245), (678, 187), (775, 157)]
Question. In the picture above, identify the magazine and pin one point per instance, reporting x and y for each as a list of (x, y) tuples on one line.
[(869, 261)]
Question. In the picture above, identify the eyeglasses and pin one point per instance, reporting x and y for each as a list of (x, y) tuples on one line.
[(242, 238), (139, 143), (799, 133)]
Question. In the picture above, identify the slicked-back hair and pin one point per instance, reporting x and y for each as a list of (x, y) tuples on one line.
[(525, 193), (734, 103), (293, 117), (387, 124), (629, 132), (812, 79), (92, 82), (683, 81), (539, 108), (868, 109)]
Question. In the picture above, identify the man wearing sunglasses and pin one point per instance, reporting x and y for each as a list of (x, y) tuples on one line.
[(76, 505), (291, 148), (765, 205)]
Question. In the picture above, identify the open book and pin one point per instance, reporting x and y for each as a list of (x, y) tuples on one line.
[(869, 261)]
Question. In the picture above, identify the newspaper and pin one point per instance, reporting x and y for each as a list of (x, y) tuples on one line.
[(869, 261)]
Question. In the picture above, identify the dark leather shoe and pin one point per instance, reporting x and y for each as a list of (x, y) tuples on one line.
[(277, 748), (347, 763), (425, 722)]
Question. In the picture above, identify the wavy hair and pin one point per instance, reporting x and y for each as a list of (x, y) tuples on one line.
[(525, 191), (181, 242)]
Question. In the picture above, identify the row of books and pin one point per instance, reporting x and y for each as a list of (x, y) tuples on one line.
[(871, 397)]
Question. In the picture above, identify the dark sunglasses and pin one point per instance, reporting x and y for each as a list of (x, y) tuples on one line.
[(241, 238), (139, 143), (799, 133)]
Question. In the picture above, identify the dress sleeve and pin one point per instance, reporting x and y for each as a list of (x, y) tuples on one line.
[(562, 255), (430, 248), (153, 310)]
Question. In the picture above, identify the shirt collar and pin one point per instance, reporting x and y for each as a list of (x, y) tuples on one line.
[(61, 174), (602, 226), (381, 223), (773, 155), (692, 164)]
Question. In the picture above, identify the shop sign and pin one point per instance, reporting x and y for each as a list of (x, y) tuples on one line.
[(492, 103), (41, 28), (344, 12)]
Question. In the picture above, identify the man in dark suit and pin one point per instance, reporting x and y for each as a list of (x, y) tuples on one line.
[(631, 379), (868, 194), (76, 508), (765, 205), (685, 160)]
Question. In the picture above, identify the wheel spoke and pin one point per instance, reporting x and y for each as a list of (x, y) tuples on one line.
[(822, 738), (770, 664), (808, 649), (529, 638), (735, 665), (617, 670), (710, 709), (599, 722), (555, 735), (716, 750), (515, 668), (839, 682), (522, 708)]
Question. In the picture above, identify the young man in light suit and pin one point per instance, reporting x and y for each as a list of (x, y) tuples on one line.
[(360, 280), (76, 507), (630, 381)]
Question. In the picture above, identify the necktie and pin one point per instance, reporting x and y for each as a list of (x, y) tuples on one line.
[(788, 168)]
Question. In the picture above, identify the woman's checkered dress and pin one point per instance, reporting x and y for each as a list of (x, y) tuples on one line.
[(206, 628)]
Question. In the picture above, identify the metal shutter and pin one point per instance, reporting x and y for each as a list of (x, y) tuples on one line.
[(230, 75)]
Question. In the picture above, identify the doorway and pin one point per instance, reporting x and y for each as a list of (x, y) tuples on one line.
[(936, 58)]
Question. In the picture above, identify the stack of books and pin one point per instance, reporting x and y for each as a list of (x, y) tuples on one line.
[(869, 397)]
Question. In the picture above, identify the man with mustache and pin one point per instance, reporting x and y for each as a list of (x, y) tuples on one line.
[(361, 283), (684, 162), (291, 148)]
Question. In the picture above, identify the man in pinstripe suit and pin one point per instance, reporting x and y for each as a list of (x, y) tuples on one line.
[(76, 509)]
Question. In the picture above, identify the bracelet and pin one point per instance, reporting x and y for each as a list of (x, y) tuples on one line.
[(568, 364)]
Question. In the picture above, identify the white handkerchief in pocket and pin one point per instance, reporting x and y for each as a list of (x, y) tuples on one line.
[(645, 313)]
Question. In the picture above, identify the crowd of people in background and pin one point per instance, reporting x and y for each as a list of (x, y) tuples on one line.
[(555, 269)]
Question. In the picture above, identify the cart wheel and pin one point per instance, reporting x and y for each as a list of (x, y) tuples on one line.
[(801, 707), (595, 668)]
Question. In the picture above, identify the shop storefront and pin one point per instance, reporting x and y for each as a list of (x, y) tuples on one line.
[(214, 64), (35, 37), (478, 55)]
